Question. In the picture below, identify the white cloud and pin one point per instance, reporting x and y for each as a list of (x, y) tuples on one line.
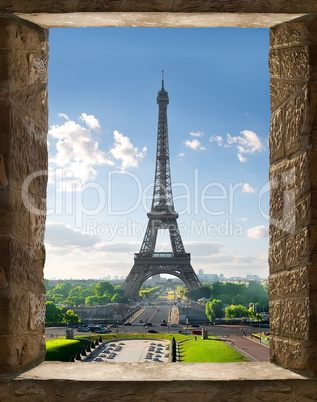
[(63, 115), (196, 134), (247, 143), (91, 121), (77, 150), (118, 247), (181, 154), (124, 151), (243, 219), (203, 247), (64, 238), (246, 188), (244, 259), (241, 158), (217, 139), (194, 144), (258, 232)]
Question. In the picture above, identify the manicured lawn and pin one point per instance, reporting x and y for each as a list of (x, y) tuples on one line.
[(208, 350), (169, 337), (63, 350), (202, 350)]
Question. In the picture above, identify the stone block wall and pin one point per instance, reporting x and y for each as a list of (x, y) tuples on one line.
[(23, 151), (293, 200), (293, 205)]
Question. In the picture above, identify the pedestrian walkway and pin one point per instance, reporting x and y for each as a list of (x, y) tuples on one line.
[(132, 351), (251, 349), (173, 315)]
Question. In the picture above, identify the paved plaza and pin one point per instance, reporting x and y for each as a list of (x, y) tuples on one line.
[(131, 351)]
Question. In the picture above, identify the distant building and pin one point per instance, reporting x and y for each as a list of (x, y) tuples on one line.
[(254, 278), (221, 278), (200, 272)]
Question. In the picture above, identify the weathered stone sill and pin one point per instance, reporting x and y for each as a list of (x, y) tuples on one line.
[(55, 381)]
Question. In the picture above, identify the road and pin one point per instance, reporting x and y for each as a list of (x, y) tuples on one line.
[(154, 315)]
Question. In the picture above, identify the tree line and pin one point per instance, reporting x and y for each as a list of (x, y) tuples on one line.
[(231, 300), (55, 314), (90, 295)]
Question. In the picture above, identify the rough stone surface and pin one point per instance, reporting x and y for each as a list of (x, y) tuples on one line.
[(275, 317), (275, 63), (293, 205), (23, 151), (239, 6), (276, 256), (297, 249), (53, 381), (294, 62), (297, 123), (276, 138), (293, 235), (281, 90), (295, 354), (288, 284), (295, 318), (12, 301)]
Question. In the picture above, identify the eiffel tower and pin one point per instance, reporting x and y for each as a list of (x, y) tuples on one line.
[(162, 216)]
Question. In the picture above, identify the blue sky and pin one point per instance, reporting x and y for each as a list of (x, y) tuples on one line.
[(103, 84)]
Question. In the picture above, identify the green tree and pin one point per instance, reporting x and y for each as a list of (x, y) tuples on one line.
[(217, 290), (89, 291), (203, 291), (93, 300), (106, 298), (53, 313), (70, 317), (239, 299), (63, 289), (214, 309), (255, 291), (104, 287), (116, 298), (76, 296), (235, 311)]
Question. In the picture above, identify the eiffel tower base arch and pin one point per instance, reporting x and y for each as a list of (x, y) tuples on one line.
[(159, 263)]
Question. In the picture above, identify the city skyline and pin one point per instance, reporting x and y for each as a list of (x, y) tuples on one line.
[(105, 138)]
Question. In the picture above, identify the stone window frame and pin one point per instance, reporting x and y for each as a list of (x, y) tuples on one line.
[(293, 282)]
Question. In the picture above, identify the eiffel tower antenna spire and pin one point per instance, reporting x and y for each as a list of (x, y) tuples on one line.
[(162, 216)]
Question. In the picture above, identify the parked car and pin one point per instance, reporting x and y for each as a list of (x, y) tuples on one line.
[(113, 326), (196, 332), (183, 332), (152, 331), (127, 323), (94, 328), (195, 326), (102, 331), (163, 324), (148, 324), (174, 325), (141, 321), (83, 329)]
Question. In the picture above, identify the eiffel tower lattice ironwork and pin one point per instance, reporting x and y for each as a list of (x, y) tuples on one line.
[(162, 216)]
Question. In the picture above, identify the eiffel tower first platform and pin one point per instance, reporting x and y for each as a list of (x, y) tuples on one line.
[(162, 216)]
